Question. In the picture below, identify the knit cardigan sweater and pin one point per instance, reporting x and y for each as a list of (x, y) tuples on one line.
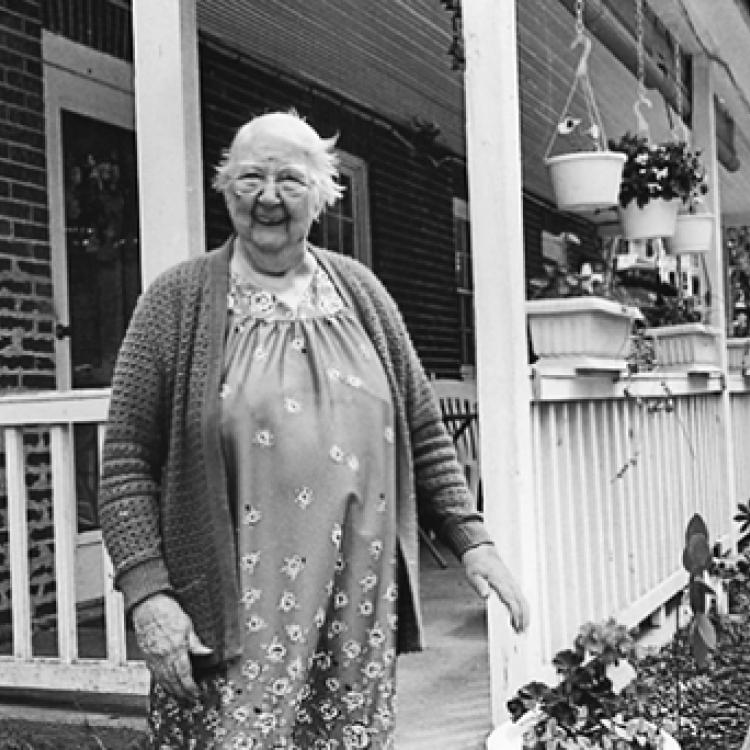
[(164, 507)]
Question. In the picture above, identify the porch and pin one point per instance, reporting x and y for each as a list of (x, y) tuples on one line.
[(616, 475)]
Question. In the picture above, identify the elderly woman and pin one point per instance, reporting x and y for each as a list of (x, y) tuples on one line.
[(271, 438)]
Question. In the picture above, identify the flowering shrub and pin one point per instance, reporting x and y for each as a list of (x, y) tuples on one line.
[(667, 170), (595, 705)]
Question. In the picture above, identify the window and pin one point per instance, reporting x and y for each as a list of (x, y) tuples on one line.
[(464, 281), (345, 227)]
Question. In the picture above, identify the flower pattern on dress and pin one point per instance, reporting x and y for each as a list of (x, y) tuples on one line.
[(318, 609)]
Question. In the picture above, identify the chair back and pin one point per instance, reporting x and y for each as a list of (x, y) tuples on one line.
[(458, 404)]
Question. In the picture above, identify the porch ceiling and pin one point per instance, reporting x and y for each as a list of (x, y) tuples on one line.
[(721, 29), (391, 58)]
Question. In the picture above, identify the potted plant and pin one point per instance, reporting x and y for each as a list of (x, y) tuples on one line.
[(587, 176), (596, 704), (656, 180), (579, 320), (681, 340)]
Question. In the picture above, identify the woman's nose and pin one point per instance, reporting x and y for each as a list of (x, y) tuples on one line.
[(269, 193)]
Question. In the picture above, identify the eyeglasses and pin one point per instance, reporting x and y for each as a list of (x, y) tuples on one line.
[(289, 184)]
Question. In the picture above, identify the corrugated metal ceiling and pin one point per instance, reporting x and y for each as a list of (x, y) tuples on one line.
[(389, 57)]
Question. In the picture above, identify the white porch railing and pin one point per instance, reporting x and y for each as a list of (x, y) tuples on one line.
[(617, 477), (57, 413)]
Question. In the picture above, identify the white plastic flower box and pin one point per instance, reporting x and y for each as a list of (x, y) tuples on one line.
[(581, 332), (738, 355), (688, 346)]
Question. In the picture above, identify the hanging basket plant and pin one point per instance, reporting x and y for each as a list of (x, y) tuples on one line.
[(587, 177), (656, 180)]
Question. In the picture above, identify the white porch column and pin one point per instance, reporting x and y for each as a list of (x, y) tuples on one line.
[(494, 171), (704, 138), (167, 106)]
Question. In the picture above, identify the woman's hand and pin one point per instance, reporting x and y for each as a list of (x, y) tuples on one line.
[(487, 572), (165, 635)]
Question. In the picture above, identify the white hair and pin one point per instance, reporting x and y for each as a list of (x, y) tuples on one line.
[(319, 152)]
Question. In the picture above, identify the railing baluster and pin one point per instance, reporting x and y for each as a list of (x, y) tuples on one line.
[(19, 542), (64, 513), (114, 611)]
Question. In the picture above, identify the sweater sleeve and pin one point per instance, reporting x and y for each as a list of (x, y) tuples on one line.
[(133, 452), (444, 499)]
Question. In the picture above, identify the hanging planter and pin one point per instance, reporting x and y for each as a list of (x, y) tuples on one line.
[(657, 218), (693, 234), (587, 180)]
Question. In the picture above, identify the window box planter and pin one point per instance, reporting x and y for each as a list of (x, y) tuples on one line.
[(688, 346), (581, 332), (738, 355), (587, 180)]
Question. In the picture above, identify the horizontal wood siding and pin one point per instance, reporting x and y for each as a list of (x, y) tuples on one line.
[(410, 194)]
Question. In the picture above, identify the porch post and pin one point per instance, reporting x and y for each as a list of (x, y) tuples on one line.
[(167, 106), (495, 182), (704, 138)]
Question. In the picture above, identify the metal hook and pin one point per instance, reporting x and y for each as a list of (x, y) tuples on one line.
[(642, 100), (582, 68)]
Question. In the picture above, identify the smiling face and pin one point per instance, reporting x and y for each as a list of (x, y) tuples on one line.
[(271, 198)]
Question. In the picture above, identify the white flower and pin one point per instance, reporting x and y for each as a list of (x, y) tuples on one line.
[(250, 561), (354, 381), (376, 636), (337, 628), (352, 649), (391, 593), (340, 600), (303, 497), (376, 548), (368, 582), (251, 669), (295, 668), (255, 624), (388, 434), (336, 534), (281, 686), (252, 516), (298, 343), (293, 566), (372, 670), (365, 608), (264, 438), (320, 617), (276, 650), (332, 684), (352, 462), (250, 597), (292, 405), (336, 454), (334, 374), (266, 722), (241, 714), (288, 601)]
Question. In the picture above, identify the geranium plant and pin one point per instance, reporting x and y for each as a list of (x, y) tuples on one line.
[(596, 703), (666, 170)]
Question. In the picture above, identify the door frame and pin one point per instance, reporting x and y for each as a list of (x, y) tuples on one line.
[(89, 83)]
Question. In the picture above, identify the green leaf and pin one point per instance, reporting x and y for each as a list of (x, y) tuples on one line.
[(706, 631), (696, 525), (697, 554)]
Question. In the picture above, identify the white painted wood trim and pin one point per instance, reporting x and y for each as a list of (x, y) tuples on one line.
[(54, 407), (170, 168), (64, 514), (495, 208), (18, 547), (80, 80), (356, 169), (91, 675)]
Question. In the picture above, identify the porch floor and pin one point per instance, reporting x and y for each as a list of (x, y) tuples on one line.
[(443, 691)]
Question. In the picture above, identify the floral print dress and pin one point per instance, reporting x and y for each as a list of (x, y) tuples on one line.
[(308, 436)]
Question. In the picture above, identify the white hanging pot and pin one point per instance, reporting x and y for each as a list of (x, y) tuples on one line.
[(586, 180), (656, 219), (693, 233)]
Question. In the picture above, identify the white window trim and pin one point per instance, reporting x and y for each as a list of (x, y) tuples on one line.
[(356, 169)]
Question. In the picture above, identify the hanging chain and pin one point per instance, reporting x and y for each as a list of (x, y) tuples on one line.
[(678, 76), (579, 17), (639, 40)]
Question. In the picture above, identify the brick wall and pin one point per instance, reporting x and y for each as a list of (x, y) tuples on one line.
[(410, 194), (26, 327)]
